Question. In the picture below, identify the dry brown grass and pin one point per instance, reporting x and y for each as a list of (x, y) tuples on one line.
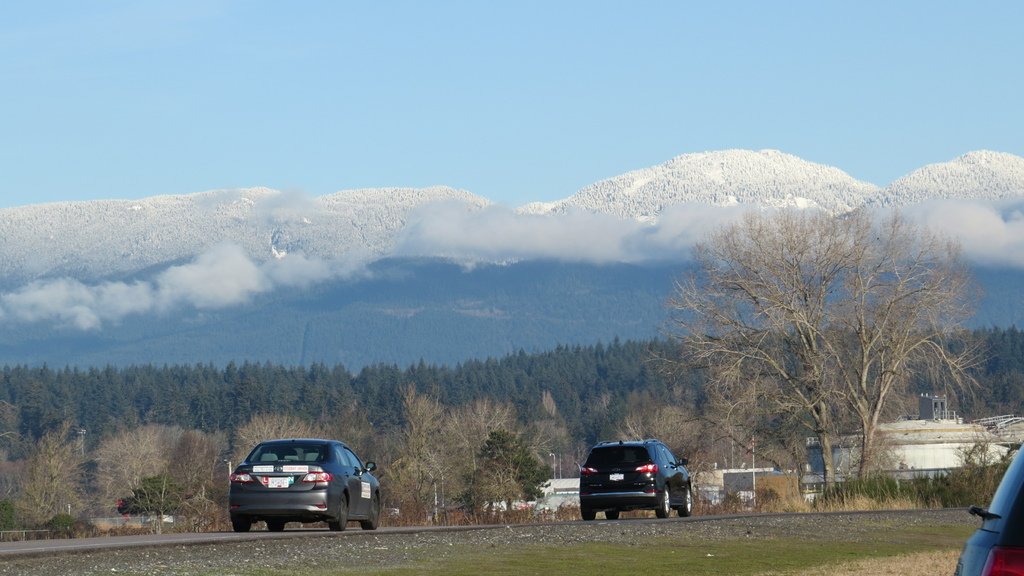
[(861, 502), (918, 564)]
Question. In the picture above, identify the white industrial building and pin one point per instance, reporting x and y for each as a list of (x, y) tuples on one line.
[(559, 492), (933, 443)]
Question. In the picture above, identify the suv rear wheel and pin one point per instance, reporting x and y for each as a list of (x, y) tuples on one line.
[(664, 504), (611, 514), (587, 513), (687, 508)]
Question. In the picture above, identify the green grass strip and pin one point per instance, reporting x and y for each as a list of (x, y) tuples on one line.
[(739, 556)]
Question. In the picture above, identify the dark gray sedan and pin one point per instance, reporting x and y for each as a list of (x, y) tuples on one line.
[(303, 480)]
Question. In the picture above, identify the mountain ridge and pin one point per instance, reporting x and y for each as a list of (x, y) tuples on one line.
[(91, 240), (397, 275), (982, 174), (98, 239)]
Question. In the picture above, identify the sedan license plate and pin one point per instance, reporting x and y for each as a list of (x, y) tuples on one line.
[(279, 481), (614, 477)]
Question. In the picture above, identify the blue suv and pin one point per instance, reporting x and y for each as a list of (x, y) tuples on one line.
[(637, 475)]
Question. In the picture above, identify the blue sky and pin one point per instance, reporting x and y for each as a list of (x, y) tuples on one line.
[(515, 101)]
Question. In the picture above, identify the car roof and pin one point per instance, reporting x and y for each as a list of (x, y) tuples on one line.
[(627, 442)]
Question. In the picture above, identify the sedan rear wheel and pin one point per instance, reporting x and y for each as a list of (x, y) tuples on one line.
[(339, 524), (241, 524), (275, 525), (664, 504)]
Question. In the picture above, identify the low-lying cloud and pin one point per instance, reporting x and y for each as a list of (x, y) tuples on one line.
[(991, 233), (222, 277), (498, 234)]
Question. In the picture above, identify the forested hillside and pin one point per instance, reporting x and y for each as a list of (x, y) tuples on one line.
[(588, 387)]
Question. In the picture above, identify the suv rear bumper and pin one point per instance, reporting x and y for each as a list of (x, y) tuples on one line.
[(620, 500)]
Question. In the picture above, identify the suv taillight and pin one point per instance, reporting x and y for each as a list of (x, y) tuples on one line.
[(587, 471), (241, 479), (648, 469), (1004, 562), (318, 477)]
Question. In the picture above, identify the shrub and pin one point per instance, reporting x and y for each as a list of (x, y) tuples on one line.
[(61, 525), (8, 519)]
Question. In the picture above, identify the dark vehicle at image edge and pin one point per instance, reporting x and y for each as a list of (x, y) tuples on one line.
[(635, 475), (997, 547), (303, 480)]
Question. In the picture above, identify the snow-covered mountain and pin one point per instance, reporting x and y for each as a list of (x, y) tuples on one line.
[(95, 239), (100, 239), (980, 175), (258, 274), (726, 178)]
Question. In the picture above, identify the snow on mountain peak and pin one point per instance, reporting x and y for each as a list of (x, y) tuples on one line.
[(729, 177), (982, 174), (100, 238), (109, 238)]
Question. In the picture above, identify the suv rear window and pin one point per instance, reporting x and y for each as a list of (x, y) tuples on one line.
[(618, 455), (288, 453)]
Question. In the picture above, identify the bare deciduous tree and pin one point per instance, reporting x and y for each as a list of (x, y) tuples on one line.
[(269, 427), (126, 458), (196, 458), (49, 485), (419, 467), (468, 426), (803, 317)]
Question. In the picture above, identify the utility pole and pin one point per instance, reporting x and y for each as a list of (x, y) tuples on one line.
[(753, 471), (81, 440)]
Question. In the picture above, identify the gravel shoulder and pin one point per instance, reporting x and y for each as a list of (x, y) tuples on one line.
[(357, 551)]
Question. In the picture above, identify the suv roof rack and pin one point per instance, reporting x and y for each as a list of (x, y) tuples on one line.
[(620, 442)]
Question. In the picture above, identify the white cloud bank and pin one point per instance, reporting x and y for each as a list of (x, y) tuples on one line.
[(991, 233), (222, 277), (498, 234)]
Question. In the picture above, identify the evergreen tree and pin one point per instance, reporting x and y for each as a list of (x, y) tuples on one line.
[(508, 472)]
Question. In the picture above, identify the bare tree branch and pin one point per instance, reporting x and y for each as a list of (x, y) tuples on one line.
[(821, 320)]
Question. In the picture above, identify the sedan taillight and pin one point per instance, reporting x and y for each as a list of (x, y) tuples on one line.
[(318, 477), (241, 479), (1004, 562)]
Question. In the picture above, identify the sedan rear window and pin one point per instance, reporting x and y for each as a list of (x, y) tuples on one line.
[(618, 455), (288, 453)]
